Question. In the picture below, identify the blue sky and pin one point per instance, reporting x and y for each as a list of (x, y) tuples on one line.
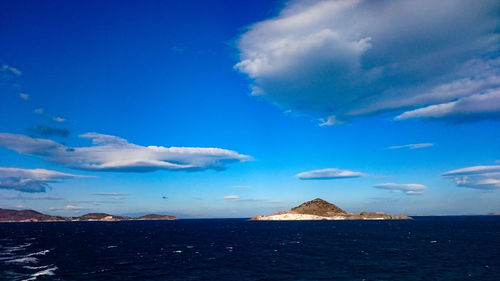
[(239, 108)]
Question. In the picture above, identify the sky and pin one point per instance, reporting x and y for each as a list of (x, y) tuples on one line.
[(206, 109)]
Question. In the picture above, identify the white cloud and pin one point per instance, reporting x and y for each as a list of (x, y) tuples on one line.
[(6, 69), (476, 177), (231, 197), (412, 146), (480, 106), (110, 153), (68, 207), (407, 188), (58, 119), (41, 111), (414, 192), (342, 59), (326, 174), (30, 180), (24, 96), (331, 120)]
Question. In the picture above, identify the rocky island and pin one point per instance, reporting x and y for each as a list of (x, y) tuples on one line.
[(319, 209), (7, 215)]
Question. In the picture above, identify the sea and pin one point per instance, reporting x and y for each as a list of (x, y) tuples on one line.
[(426, 248)]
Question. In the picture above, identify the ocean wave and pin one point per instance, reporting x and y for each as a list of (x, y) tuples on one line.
[(24, 259), (9, 250), (37, 267), (48, 271), (41, 253)]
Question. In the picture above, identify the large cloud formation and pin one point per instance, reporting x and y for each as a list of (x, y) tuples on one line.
[(477, 177), (30, 180), (338, 60), (110, 153)]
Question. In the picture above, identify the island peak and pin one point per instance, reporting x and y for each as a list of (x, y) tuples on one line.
[(319, 209)]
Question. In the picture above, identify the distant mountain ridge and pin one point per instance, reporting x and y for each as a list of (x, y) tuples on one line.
[(26, 215), (319, 209), (7, 215)]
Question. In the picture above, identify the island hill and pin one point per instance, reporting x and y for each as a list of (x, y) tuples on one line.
[(319, 209), (7, 215)]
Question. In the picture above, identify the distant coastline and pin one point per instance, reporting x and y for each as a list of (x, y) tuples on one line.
[(7, 215)]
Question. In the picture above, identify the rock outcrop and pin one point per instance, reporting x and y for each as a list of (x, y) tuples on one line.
[(156, 217), (319, 209)]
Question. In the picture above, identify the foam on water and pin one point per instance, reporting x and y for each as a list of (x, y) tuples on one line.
[(23, 260), (49, 271), (40, 253), (20, 260)]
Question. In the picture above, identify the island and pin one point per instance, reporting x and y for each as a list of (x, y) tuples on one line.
[(7, 215), (319, 209)]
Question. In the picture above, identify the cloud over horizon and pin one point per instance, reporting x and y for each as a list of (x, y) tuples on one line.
[(407, 188), (338, 60), (476, 177), (328, 174), (30, 180), (114, 154)]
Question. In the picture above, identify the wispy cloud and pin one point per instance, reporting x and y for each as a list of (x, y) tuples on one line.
[(114, 154), (339, 60), (58, 119), (231, 197), (476, 177), (327, 174), (479, 106), (407, 188), (21, 197), (24, 96), (41, 111), (240, 186), (111, 195), (30, 180), (47, 131), (68, 207), (177, 49), (412, 146), (7, 70)]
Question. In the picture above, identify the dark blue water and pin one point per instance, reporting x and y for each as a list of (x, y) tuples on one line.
[(427, 248)]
